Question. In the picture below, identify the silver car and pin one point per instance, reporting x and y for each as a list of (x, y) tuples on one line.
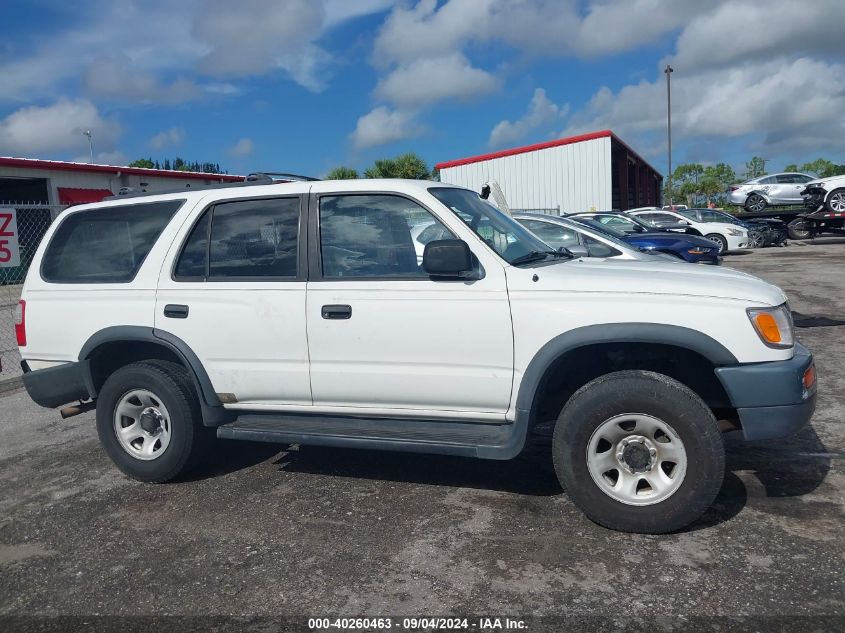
[(769, 191)]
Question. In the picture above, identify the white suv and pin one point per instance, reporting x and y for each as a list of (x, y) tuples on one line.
[(299, 313), (728, 237)]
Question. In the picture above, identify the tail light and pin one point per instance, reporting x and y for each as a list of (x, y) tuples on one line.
[(20, 323), (734, 187)]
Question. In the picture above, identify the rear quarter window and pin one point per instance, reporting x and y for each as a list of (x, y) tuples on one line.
[(105, 245)]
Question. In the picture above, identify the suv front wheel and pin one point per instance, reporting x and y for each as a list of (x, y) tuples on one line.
[(149, 421), (639, 452)]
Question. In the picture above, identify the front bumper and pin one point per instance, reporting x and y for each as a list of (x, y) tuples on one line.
[(771, 399), (813, 197), (737, 241)]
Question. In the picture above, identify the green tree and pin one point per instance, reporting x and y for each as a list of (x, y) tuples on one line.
[(822, 168), (342, 173), (407, 165), (145, 163), (755, 168), (716, 180), (686, 181), (791, 167)]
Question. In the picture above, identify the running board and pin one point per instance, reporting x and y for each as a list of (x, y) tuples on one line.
[(469, 439)]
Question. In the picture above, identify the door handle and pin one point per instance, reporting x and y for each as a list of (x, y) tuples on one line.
[(336, 312), (176, 311)]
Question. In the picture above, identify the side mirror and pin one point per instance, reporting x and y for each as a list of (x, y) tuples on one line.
[(578, 250), (448, 258)]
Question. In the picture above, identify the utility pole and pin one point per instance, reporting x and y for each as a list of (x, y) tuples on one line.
[(669, 70), (90, 145)]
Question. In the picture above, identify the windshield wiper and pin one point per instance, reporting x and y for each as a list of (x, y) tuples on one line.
[(536, 256)]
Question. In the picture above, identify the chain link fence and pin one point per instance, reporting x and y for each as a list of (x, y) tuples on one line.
[(33, 222)]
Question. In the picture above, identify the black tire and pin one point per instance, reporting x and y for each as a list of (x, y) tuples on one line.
[(756, 239), (755, 203), (797, 230), (172, 385), (654, 395), (720, 240)]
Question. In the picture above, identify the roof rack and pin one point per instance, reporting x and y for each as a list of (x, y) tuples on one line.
[(277, 176), (258, 178)]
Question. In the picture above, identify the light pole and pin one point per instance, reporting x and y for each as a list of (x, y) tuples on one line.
[(90, 145), (669, 70)]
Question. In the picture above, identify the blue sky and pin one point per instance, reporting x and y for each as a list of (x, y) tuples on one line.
[(306, 85)]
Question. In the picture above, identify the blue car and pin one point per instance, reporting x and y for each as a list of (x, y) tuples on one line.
[(690, 248)]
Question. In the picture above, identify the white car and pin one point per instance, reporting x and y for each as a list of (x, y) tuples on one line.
[(728, 237), (298, 313), (826, 192), (562, 232), (769, 191)]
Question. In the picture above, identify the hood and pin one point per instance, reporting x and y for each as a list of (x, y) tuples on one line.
[(669, 239), (655, 276), (826, 183)]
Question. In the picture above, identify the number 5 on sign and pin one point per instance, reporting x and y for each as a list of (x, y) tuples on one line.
[(10, 253)]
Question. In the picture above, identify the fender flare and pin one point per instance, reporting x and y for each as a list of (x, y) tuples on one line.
[(657, 333), (162, 338), (760, 193)]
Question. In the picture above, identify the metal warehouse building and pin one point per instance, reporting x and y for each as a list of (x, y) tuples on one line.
[(589, 172)]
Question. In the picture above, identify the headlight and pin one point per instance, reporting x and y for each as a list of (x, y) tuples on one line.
[(773, 325), (735, 232), (698, 251)]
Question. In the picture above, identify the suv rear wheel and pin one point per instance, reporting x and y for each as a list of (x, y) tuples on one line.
[(149, 421), (639, 452)]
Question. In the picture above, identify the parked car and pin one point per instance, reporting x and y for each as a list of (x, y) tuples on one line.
[(727, 236), (627, 223), (761, 231), (769, 191), (688, 248), (281, 313), (825, 201), (580, 239)]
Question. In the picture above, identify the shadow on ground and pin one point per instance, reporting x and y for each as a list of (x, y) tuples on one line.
[(786, 468)]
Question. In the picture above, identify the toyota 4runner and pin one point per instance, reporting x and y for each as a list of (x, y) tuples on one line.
[(302, 313)]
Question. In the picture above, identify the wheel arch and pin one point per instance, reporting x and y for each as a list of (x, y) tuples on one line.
[(760, 193), (634, 343), (116, 346)]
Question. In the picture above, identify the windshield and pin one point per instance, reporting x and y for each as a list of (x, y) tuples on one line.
[(608, 232), (501, 232)]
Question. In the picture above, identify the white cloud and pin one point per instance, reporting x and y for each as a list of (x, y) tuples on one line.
[(253, 37), (383, 125), (115, 157), (35, 130), (171, 45), (168, 138), (244, 147), (426, 81), (744, 30), (541, 27), (117, 77), (781, 103), (541, 111)]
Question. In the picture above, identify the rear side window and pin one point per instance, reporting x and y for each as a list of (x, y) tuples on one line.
[(246, 239), (106, 245)]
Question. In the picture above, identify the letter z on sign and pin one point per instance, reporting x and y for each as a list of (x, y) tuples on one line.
[(10, 253)]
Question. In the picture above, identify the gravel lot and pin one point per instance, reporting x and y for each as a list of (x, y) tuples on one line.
[(268, 533)]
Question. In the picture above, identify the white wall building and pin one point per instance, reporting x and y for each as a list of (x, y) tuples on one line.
[(590, 172), (53, 182)]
